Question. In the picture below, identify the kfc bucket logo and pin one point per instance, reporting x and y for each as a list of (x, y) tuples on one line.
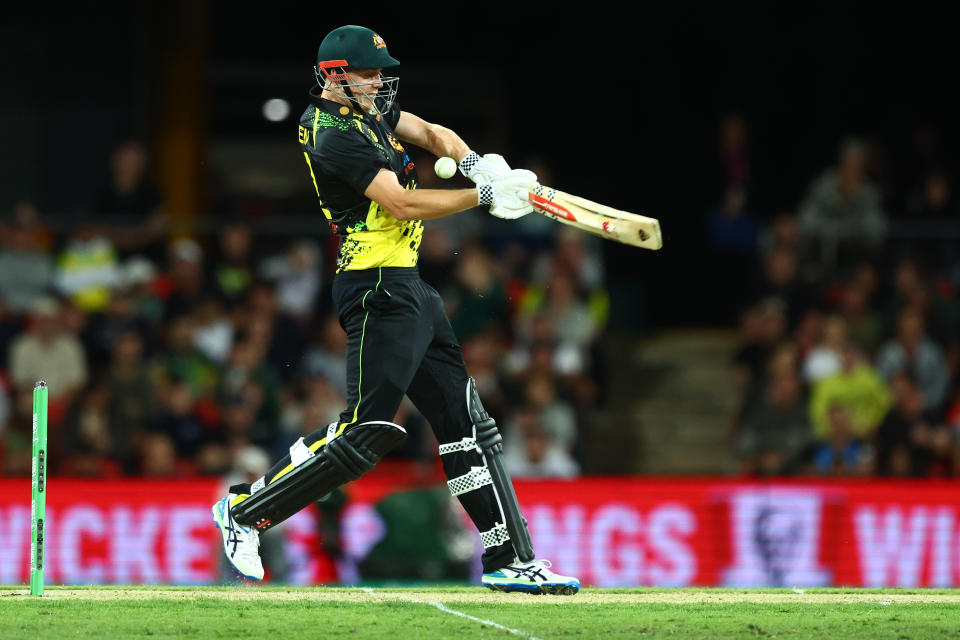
[(776, 539)]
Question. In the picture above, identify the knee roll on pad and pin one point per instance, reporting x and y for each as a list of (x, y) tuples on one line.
[(488, 436), (341, 458), (488, 442)]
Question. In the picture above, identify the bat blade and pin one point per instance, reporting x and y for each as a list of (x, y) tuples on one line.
[(598, 219)]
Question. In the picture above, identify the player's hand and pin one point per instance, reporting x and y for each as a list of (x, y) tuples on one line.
[(483, 169), (508, 195)]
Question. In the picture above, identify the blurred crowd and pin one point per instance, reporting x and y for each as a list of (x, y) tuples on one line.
[(172, 355), (848, 314)]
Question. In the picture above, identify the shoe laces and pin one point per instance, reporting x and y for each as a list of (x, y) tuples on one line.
[(235, 537), (533, 570)]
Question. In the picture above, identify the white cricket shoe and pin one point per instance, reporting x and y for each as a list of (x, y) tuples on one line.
[(531, 577), (241, 544)]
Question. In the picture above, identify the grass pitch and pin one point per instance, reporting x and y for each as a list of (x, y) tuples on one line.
[(248, 611)]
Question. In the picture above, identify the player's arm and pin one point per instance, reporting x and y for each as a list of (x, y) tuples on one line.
[(506, 195), (436, 139), (418, 204)]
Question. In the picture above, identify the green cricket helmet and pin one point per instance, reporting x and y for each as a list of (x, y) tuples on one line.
[(353, 47)]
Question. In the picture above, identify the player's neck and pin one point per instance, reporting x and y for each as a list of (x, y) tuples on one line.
[(326, 94), (340, 99)]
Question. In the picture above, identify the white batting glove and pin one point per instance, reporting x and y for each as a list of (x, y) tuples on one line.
[(507, 196), (485, 169)]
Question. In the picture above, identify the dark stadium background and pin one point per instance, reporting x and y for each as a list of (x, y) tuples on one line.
[(624, 105)]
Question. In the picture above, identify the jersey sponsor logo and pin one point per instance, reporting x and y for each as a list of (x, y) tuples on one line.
[(378, 42), (304, 135), (394, 142)]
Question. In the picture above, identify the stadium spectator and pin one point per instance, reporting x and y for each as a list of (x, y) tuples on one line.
[(102, 330), (138, 281), (557, 416), (733, 246), (283, 339), (213, 331), (934, 201), (483, 354), (438, 255), (91, 440), (913, 352), (296, 275), (841, 453), (540, 353), (11, 325), (132, 398), (26, 272), (864, 325), (477, 303), (780, 279), (177, 420), (182, 361), (46, 351), (185, 280), (158, 458), (133, 204), (16, 438), (233, 269), (240, 422), (773, 437), (826, 358), (783, 232), (763, 326), (580, 255), (322, 403), (858, 390), (841, 213), (248, 381), (914, 286), (733, 152), (574, 324), (87, 269), (809, 334), (534, 455), (327, 357), (733, 231), (902, 441)]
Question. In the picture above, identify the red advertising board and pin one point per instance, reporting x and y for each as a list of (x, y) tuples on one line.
[(609, 531)]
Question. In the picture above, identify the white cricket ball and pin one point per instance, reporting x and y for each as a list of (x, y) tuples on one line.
[(445, 167)]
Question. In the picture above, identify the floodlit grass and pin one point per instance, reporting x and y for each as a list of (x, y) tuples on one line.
[(470, 612)]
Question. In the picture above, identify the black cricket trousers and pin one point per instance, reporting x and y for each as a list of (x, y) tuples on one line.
[(399, 341)]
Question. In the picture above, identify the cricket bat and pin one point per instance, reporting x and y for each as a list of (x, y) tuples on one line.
[(601, 220)]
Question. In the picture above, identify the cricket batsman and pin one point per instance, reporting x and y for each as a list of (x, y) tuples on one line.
[(399, 338)]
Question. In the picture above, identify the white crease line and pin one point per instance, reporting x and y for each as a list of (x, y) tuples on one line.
[(446, 609)]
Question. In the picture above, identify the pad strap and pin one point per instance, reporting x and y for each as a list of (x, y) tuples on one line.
[(465, 444), (495, 537), (299, 453), (476, 478)]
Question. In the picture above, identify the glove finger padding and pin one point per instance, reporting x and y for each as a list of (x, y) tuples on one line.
[(510, 194), (488, 168), (509, 212)]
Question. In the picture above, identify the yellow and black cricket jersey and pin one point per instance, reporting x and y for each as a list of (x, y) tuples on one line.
[(344, 150)]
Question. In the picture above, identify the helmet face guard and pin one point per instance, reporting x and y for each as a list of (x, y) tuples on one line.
[(334, 75)]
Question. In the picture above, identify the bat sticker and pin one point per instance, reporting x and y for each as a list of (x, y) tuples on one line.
[(551, 207)]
